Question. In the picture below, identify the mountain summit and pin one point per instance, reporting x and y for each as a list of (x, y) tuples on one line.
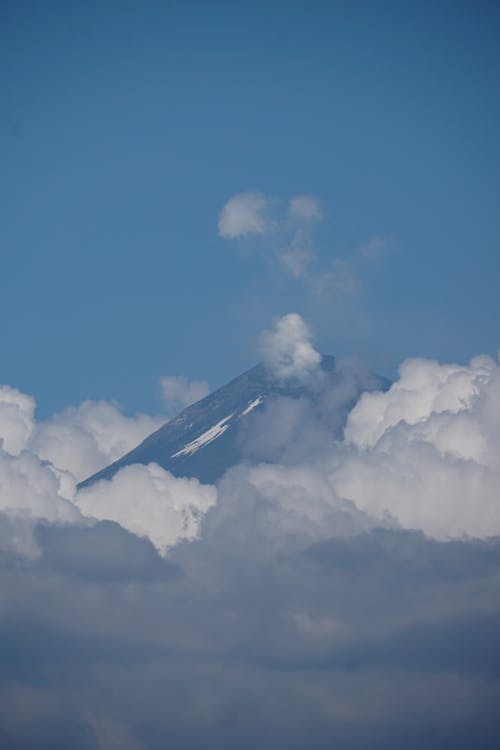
[(202, 441)]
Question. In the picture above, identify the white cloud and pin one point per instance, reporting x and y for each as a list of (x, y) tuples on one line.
[(42, 462), (149, 501), (288, 221), (305, 208), (287, 349), (425, 388), (83, 439), (244, 214), (80, 439), (31, 490), (426, 452), (284, 507), (17, 412), (178, 392)]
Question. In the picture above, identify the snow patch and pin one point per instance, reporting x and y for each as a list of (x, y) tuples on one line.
[(207, 437), (252, 405)]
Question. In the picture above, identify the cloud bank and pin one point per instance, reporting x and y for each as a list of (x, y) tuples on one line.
[(339, 587), (42, 462)]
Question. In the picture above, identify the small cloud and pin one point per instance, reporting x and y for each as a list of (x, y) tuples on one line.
[(17, 419), (339, 280), (298, 255), (244, 214), (297, 260), (305, 208), (374, 248), (177, 392), (287, 349)]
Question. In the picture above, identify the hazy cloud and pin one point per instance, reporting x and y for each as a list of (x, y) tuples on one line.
[(374, 249), (178, 392), (244, 214), (305, 207)]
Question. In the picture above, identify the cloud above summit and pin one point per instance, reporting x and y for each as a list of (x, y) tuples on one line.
[(287, 348)]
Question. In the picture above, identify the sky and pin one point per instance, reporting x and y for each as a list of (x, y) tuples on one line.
[(188, 188), (127, 127)]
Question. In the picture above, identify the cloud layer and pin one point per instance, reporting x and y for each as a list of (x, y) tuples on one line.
[(328, 591)]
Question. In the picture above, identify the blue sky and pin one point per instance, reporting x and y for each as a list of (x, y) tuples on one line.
[(127, 126)]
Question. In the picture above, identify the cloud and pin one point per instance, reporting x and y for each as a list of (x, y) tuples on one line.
[(80, 439), (283, 226), (374, 249), (426, 451), (305, 208), (287, 348), (244, 214), (339, 281), (314, 597), (31, 490), (149, 502), (17, 412), (83, 439), (178, 392), (298, 255), (282, 231)]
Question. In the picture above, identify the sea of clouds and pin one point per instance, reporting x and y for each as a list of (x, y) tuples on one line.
[(338, 587)]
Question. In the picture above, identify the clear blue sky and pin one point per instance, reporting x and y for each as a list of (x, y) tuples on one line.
[(126, 126)]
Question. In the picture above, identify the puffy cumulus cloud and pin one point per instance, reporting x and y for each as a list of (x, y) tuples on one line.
[(425, 388), (272, 507), (287, 348), (80, 439), (83, 439), (177, 392), (150, 502), (42, 462), (30, 491), (17, 414), (244, 214), (305, 208), (426, 451)]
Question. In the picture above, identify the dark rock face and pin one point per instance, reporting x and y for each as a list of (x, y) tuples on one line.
[(202, 441)]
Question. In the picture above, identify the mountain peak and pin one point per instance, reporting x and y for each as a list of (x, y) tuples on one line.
[(201, 441)]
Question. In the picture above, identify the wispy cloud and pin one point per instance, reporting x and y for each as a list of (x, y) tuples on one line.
[(282, 230), (177, 392)]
